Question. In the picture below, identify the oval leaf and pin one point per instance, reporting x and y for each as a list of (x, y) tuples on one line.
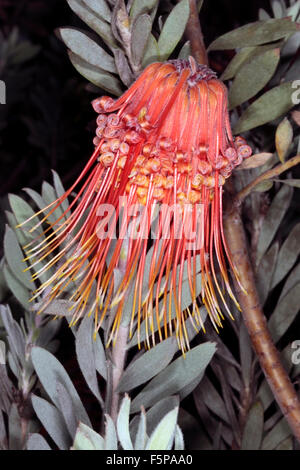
[(85, 355), (148, 365), (93, 21), (140, 32), (253, 34), (272, 220), (173, 29), (123, 424), (268, 107), (50, 371), (87, 439), (175, 376), (37, 442), (253, 431), (283, 138), (83, 46), (163, 435), (255, 161), (285, 313), (96, 76), (52, 421), (14, 257), (253, 76), (100, 7)]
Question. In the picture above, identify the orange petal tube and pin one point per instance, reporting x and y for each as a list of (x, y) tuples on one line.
[(163, 152)]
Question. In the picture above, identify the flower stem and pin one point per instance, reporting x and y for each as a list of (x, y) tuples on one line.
[(117, 366), (266, 176), (253, 315)]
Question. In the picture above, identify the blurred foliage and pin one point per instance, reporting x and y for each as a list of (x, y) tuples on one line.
[(53, 395)]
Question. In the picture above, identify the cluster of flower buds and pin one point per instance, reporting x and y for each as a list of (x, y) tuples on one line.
[(166, 140), (134, 141)]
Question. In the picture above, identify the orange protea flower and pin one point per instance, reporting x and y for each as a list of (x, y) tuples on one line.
[(164, 146)]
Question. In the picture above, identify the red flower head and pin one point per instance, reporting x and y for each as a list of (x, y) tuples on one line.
[(163, 152)]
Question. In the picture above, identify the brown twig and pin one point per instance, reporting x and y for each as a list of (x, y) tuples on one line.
[(253, 315), (194, 34), (239, 197)]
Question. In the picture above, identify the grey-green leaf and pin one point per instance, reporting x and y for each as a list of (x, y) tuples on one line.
[(14, 257), (140, 32), (122, 65), (52, 421), (272, 220), (141, 435), (20, 292), (279, 433), (110, 440), (271, 105), (253, 76), (253, 34), (100, 7), (96, 76), (100, 357), (83, 46), (285, 313), (87, 439), (37, 442), (253, 431), (141, 6), (154, 414), (22, 212), (237, 61), (151, 53), (67, 408), (287, 255), (207, 393), (173, 29), (85, 355), (123, 424), (14, 333), (245, 354), (179, 440), (265, 272), (177, 375), (185, 51), (93, 21), (163, 435), (295, 183), (50, 371), (148, 365), (14, 429)]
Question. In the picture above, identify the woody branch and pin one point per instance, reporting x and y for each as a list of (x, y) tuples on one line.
[(253, 315)]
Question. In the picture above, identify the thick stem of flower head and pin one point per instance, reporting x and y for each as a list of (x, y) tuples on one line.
[(239, 197), (117, 364), (255, 320), (194, 34), (253, 315)]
